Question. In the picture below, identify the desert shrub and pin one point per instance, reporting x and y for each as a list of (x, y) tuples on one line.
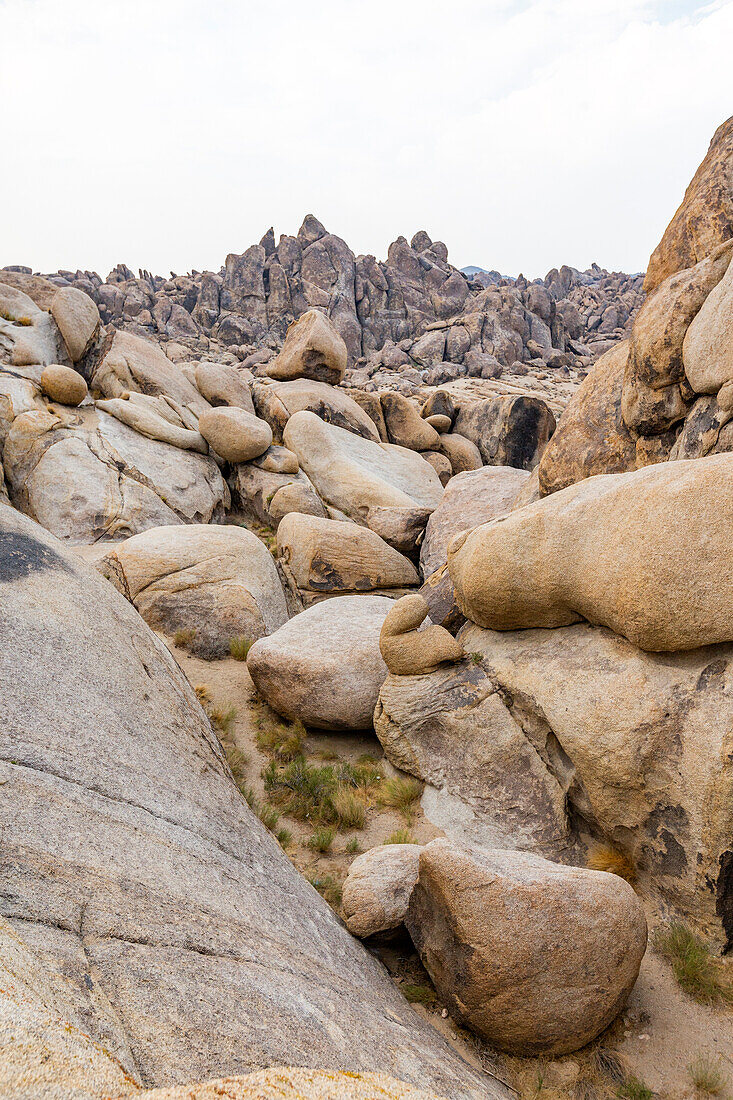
[(401, 795), (697, 971), (203, 694), (605, 857), (302, 790), (238, 763), (321, 840), (349, 809), (280, 741), (284, 838), (400, 836), (476, 658), (353, 847), (269, 816), (707, 1075), (184, 637), (239, 647)]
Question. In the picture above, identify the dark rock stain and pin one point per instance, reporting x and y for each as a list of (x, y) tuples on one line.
[(21, 555)]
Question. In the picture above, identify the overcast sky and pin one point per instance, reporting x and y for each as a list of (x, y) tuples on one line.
[(523, 133)]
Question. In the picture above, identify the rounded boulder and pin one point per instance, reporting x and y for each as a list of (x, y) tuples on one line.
[(235, 434)]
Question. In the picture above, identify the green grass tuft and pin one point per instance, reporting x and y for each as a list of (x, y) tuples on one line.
[(349, 809), (418, 994), (634, 1088), (321, 840), (183, 638), (697, 971), (353, 847), (401, 795), (239, 647), (707, 1075), (400, 836)]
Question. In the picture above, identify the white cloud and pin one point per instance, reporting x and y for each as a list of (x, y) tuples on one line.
[(524, 133)]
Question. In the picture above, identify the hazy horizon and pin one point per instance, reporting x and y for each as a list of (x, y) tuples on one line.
[(523, 133)]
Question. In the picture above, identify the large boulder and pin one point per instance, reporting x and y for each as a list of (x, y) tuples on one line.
[(405, 426), (704, 219), (266, 495), (77, 318), (508, 431), (645, 553), (331, 404), (324, 667), (389, 489), (535, 957), (63, 384), (313, 349), (219, 581), (224, 385), (591, 436), (548, 737), (377, 889), (469, 499), (188, 945), (708, 345), (411, 646), (331, 556), (235, 434)]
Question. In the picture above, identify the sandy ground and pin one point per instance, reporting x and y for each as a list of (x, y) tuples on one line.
[(661, 1031)]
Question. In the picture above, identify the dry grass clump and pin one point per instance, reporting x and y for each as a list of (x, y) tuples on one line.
[(401, 795), (239, 647), (707, 1075), (697, 971), (280, 741), (321, 840), (223, 719), (353, 847), (634, 1088), (400, 836), (203, 694), (605, 857), (350, 809), (24, 322), (185, 637)]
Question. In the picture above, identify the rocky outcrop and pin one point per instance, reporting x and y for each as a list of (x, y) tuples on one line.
[(187, 944), (215, 582), (548, 739), (533, 956), (312, 349), (324, 668), (705, 217), (611, 550), (296, 1084), (386, 488)]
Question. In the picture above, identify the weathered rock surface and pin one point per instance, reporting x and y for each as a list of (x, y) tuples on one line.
[(553, 730), (390, 489), (469, 499), (42, 1054), (129, 362), (331, 404), (116, 798), (296, 1084), (704, 219), (508, 431), (313, 349), (267, 495), (410, 651), (535, 957), (377, 889), (708, 344), (405, 426), (591, 436), (611, 550), (28, 335), (323, 667), (219, 581), (223, 385), (325, 555)]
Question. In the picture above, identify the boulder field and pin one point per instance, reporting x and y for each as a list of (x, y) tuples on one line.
[(487, 521)]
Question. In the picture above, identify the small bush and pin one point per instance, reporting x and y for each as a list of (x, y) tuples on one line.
[(184, 638), (223, 719), (321, 840), (250, 798), (400, 836), (239, 647), (203, 694), (282, 742), (634, 1088), (349, 809), (302, 790), (418, 994), (284, 838), (708, 1075), (476, 658), (353, 847), (697, 972), (604, 857), (401, 795)]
